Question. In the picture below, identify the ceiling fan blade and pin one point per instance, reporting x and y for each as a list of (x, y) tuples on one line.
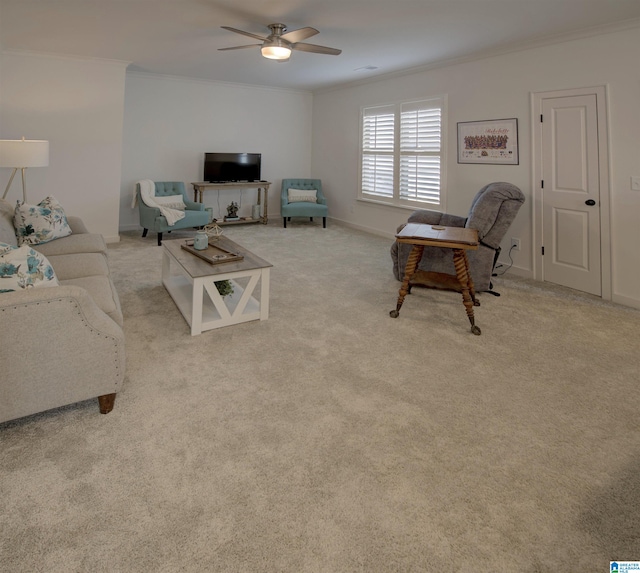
[(316, 49), (263, 38), (299, 35), (239, 47)]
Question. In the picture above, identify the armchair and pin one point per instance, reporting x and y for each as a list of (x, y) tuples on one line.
[(195, 214), (303, 208), (492, 211)]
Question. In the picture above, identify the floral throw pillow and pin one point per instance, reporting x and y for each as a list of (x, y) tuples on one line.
[(22, 268), (40, 223)]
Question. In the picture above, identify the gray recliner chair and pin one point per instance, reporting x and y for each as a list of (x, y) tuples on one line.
[(492, 211)]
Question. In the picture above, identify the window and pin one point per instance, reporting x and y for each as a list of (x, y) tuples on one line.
[(402, 153)]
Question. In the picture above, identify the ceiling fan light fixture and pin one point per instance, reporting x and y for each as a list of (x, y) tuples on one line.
[(276, 50)]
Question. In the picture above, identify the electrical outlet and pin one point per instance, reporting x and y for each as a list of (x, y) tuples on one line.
[(515, 244)]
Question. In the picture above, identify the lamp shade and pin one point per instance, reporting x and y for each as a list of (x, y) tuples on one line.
[(276, 50), (20, 153)]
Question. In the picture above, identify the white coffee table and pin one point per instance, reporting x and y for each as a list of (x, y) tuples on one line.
[(191, 283)]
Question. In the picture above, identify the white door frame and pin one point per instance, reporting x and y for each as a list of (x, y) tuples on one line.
[(602, 102)]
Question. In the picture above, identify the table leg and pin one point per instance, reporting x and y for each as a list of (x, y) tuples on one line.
[(412, 264), (472, 288), (461, 264)]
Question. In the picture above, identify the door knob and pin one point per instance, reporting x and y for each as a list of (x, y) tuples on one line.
[(590, 202)]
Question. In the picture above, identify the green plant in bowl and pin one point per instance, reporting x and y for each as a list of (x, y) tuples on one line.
[(225, 288)]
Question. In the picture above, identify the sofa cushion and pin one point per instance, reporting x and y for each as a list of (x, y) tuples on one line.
[(7, 230), (79, 265), (103, 292), (22, 267), (84, 243), (40, 223)]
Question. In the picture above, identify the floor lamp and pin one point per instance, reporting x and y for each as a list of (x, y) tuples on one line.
[(20, 154)]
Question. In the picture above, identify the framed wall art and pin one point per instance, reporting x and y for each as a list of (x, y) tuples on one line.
[(492, 142)]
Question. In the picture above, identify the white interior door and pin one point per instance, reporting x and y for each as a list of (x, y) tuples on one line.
[(571, 193)]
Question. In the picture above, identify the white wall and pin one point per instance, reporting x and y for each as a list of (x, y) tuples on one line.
[(171, 122), (77, 104), (492, 88)]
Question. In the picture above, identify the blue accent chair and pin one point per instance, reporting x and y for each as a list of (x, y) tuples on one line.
[(151, 219), (303, 208)]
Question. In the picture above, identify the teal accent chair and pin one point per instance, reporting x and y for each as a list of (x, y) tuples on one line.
[(303, 208), (151, 219)]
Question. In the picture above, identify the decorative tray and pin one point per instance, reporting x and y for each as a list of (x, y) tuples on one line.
[(213, 254)]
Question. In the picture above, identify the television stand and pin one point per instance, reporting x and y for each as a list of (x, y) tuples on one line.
[(263, 196)]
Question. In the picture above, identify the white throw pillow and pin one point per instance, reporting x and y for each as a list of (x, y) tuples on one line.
[(41, 223), (303, 195), (171, 202), (22, 268)]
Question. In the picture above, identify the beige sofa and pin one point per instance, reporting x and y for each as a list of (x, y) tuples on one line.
[(63, 344)]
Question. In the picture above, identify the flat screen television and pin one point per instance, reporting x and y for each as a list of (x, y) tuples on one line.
[(225, 167)]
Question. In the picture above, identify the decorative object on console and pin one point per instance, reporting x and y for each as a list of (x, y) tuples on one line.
[(41, 223), (255, 212), (232, 212), (22, 268), (20, 154)]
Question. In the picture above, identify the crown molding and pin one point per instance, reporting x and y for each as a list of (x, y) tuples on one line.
[(510, 48), (67, 57), (170, 77)]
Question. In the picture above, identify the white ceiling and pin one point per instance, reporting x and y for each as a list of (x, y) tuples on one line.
[(182, 37)]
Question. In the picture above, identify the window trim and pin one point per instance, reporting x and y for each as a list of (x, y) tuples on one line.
[(396, 201)]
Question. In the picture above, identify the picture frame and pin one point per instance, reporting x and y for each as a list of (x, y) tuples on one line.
[(488, 142)]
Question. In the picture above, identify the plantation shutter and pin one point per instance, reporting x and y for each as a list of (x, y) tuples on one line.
[(378, 144), (420, 148)]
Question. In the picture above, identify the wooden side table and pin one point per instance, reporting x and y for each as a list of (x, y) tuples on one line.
[(459, 240)]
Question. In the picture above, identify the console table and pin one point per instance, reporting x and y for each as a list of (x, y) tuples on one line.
[(263, 196)]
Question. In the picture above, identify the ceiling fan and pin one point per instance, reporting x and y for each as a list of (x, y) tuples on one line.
[(278, 44)]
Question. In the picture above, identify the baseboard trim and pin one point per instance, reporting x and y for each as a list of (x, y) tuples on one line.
[(513, 270), (625, 301), (132, 227), (370, 230)]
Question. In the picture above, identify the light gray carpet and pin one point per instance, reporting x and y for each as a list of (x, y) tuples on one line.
[(333, 438)]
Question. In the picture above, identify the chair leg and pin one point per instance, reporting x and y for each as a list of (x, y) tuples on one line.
[(311, 219), (289, 218), (284, 220), (324, 222), (144, 232), (159, 239)]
